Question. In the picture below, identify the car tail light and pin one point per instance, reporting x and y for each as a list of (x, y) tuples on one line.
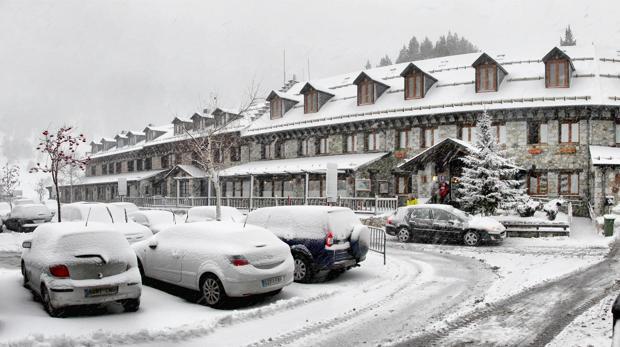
[(60, 271), (329, 239), (239, 260), (389, 220)]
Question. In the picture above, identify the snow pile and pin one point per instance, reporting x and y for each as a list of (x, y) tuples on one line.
[(12, 242), (591, 328)]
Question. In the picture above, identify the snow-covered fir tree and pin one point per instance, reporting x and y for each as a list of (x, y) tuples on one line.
[(488, 181)]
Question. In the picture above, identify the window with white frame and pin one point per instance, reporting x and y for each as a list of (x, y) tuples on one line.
[(569, 132), (537, 183), (323, 145), (569, 183), (538, 133), (414, 86), (265, 151), (617, 131), (304, 147), (500, 133), (371, 141), (430, 137), (275, 106), (403, 185), (468, 133), (402, 139), (351, 145)]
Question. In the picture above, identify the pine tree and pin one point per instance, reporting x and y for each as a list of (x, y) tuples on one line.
[(403, 56), (414, 49), (568, 39), (426, 49), (368, 66), (488, 180), (385, 61)]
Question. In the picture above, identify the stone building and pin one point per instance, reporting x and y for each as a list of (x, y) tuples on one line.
[(548, 109)]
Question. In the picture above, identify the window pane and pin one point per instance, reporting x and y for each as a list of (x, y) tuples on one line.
[(561, 74), (435, 136), (552, 74), (543, 184), (490, 78), (543, 133), (574, 183), (533, 185), (617, 133), (428, 137), (403, 139), (401, 185), (502, 134), (410, 87), (564, 188), (564, 132), (575, 132), (418, 87)]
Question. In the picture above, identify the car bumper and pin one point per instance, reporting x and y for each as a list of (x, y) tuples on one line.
[(495, 237), (68, 292), (249, 281), (390, 230)]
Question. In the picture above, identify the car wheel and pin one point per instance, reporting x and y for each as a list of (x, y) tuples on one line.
[(303, 269), (131, 305), (404, 234), (49, 307), (24, 276), (471, 238), (212, 292)]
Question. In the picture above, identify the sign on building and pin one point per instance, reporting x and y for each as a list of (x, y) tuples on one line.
[(122, 187), (331, 182)]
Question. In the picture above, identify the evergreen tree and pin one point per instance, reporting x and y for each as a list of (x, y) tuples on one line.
[(385, 61), (426, 49), (568, 39), (403, 56), (414, 49), (368, 66), (488, 180)]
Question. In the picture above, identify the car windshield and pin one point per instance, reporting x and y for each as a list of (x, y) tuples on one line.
[(460, 214), (160, 217)]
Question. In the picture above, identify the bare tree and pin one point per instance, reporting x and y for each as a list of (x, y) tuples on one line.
[(210, 144), (40, 187), (61, 151), (9, 180), (70, 175)]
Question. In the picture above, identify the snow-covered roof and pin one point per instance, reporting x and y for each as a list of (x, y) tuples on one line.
[(130, 176), (595, 81), (604, 155), (193, 171), (427, 152), (300, 165)]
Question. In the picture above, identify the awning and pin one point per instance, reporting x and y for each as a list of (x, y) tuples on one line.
[(103, 179), (316, 164), (604, 155), (442, 153)]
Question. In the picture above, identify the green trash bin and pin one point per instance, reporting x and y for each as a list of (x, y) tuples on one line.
[(608, 226)]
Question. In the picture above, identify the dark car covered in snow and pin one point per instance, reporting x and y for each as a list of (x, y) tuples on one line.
[(435, 222), (323, 240)]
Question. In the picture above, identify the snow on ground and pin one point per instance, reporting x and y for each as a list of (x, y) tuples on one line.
[(12, 242), (591, 328), (166, 318)]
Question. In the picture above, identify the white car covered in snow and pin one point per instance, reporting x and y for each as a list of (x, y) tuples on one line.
[(218, 259), (128, 207), (26, 217), (70, 264), (5, 210), (52, 205), (207, 213), (156, 220), (104, 213)]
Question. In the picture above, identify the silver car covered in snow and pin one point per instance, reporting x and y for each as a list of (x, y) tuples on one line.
[(70, 264)]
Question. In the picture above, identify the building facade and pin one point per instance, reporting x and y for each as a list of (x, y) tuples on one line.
[(548, 110)]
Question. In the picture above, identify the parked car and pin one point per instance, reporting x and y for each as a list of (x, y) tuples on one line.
[(69, 264), (130, 207), (25, 218), (435, 221), (398, 223), (87, 212), (207, 213), (52, 205), (322, 239), (23, 201), (218, 259), (156, 220), (5, 210)]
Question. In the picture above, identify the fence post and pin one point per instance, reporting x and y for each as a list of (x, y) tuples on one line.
[(376, 203)]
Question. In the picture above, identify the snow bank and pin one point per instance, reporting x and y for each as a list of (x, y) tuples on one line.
[(12, 242)]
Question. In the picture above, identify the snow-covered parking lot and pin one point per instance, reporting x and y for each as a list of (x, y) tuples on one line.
[(421, 288)]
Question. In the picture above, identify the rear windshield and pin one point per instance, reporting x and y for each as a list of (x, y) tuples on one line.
[(341, 223), (29, 211), (109, 242), (163, 217)]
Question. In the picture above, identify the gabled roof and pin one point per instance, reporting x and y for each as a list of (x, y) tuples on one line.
[(160, 128), (180, 120), (485, 57), (312, 85), (135, 133), (555, 51), (121, 136), (107, 139), (365, 74), (411, 67), (95, 143), (281, 95), (191, 170), (198, 115)]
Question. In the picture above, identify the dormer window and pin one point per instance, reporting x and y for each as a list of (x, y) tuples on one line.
[(366, 92), (311, 101), (489, 74), (558, 69), (276, 108), (414, 86)]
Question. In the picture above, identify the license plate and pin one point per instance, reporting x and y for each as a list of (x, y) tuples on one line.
[(272, 281), (101, 291)]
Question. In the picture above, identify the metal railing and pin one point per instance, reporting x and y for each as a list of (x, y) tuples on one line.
[(365, 205), (378, 241)]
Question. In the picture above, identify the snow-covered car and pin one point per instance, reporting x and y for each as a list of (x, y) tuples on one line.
[(218, 259), (52, 205), (207, 213), (71, 264), (130, 207), (103, 213), (156, 220), (23, 201), (25, 218), (5, 210), (440, 222), (399, 220), (323, 239)]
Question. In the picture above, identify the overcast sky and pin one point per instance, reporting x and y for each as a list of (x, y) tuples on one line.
[(106, 66)]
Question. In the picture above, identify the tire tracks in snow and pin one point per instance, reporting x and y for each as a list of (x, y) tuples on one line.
[(540, 312)]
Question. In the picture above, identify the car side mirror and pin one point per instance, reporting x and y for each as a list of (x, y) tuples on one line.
[(26, 244), (153, 244)]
